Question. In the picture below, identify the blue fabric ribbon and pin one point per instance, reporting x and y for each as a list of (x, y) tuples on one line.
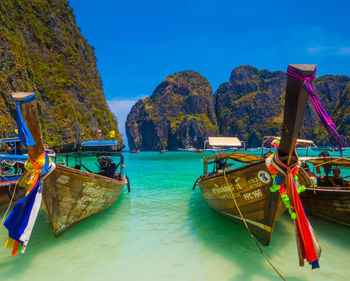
[(23, 131), (17, 220), (46, 167)]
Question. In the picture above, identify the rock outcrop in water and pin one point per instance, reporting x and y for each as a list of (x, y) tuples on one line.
[(42, 50), (179, 114), (249, 106)]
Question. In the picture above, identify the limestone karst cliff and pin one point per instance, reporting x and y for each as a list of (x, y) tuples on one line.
[(42, 50), (179, 114)]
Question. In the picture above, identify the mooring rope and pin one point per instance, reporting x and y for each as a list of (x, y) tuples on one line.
[(247, 227)]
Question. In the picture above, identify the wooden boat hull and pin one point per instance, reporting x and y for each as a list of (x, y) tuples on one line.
[(71, 195), (328, 202), (251, 187), (6, 189)]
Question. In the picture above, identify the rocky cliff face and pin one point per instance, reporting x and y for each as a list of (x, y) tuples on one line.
[(179, 114), (43, 51), (250, 105)]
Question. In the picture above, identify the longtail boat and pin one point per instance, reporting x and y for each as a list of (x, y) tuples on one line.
[(11, 164), (249, 184), (327, 198), (70, 195), (245, 194), (10, 172)]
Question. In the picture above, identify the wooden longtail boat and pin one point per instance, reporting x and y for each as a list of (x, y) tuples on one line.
[(69, 195), (10, 172), (324, 199), (245, 191)]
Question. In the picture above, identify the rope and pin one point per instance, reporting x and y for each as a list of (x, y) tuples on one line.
[(247, 227)]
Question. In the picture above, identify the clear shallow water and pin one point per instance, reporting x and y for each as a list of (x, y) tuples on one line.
[(163, 230)]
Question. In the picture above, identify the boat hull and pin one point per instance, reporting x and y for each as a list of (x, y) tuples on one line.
[(7, 187), (70, 196), (328, 202), (250, 186)]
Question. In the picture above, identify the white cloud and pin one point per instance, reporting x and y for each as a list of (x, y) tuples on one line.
[(329, 50), (316, 50), (344, 51)]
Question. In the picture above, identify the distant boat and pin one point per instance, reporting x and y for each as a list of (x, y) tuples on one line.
[(328, 148), (329, 199), (192, 149), (299, 143), (72, 194)]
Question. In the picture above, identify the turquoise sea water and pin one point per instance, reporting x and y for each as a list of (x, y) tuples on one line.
[(163, 230)]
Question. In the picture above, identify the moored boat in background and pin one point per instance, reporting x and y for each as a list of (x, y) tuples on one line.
[(11, 169), (328, 197)]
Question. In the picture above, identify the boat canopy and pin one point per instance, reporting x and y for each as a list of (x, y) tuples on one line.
[(239, 157), (84, 154), (10, 140), (11, 158), (99, 143), (299, 141), (224, 141), (338, 161)]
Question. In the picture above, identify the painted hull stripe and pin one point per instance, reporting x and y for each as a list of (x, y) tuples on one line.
[(258, 224)]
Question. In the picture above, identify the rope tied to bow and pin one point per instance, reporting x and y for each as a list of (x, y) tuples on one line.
[(286, 182)]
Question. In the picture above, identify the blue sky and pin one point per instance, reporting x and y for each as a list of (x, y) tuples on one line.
[(139, 43)]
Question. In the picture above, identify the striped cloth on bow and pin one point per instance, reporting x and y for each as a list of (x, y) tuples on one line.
[(21, 220), (306, 238)]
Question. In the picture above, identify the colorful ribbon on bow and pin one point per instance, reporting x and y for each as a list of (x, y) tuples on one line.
[(289, 190), (21, 220), (23, 131), (326, 120)]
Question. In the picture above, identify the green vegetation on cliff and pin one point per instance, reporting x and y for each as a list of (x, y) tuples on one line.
[(179, 113), (250, 105), (43, 51)]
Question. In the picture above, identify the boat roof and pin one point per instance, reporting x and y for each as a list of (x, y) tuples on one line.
[(299, 141), (239, 157), (84, 154), (224, 141), (13, 158), (338, 161), (99, 143), (6, 140)]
